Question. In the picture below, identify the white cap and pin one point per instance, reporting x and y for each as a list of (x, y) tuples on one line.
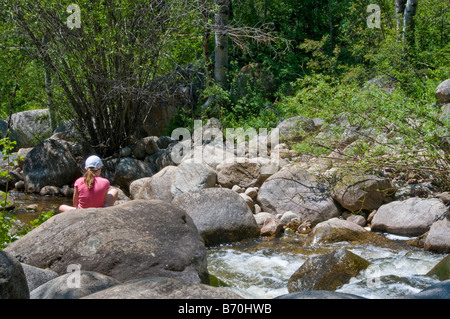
[(93, 162)]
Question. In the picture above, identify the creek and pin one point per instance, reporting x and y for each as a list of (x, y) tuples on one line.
[(260, 268)]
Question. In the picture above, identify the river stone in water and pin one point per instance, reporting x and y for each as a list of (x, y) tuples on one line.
[(220, 215), (441, 269), (327, 272), (295, 189), (438, 238), (13, 283), (132, 240), (336, 230), (73, 285), (411, 217), (163, 288)]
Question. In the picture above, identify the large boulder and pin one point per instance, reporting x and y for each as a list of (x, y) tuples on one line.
[(32, 126), (337, 230), (443, 92), (220, 215), (132, 240), (295, 189), (438, 238), (6, 130), (242, 173), (365, 192), (327, 272), (52, 162), (73, 285), (412, 217), (156, 187), (191, 176), (126, 170), (163, 288), (13, 283)]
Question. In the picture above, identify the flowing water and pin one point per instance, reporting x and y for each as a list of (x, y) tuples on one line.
[(261, 268)]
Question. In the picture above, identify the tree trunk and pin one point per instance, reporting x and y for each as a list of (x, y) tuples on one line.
[(330, 22), (221, 38), (49, 90), (206, 36), (409, 24), (400, 12)]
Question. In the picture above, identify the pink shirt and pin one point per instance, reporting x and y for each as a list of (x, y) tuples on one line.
[(94, 197)]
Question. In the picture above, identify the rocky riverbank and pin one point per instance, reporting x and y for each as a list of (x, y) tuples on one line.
[(170, 211)]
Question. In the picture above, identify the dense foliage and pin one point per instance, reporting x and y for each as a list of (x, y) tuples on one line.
[(286, 58)]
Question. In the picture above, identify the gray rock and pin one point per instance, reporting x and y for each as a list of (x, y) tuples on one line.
[(32, 126), (365, 192), (411, 217), (73, 285), (261, 218), (13, 283), (156, 187), (443, 92), (438, 238), (133, 240), (357, 219), (336, 230), (220, 215), (246, 174), (139, 151), (37, 276), (151, 145), (50, 191), (296, 190), (163, 288), (51, 163), (191, 176), (126, 170)]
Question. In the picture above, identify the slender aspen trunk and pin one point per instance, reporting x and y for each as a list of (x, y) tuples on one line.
[(221, 38), (409, 24), (400, 13)]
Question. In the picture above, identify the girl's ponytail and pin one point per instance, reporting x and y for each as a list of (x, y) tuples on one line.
[(89, 178)]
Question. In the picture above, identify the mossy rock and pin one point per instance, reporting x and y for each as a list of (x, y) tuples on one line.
[(327, 272), (442, 269)]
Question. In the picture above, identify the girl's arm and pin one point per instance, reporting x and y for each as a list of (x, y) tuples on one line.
[(75, 197)]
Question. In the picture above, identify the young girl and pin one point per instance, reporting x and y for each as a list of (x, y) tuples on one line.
[(92, 190)]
